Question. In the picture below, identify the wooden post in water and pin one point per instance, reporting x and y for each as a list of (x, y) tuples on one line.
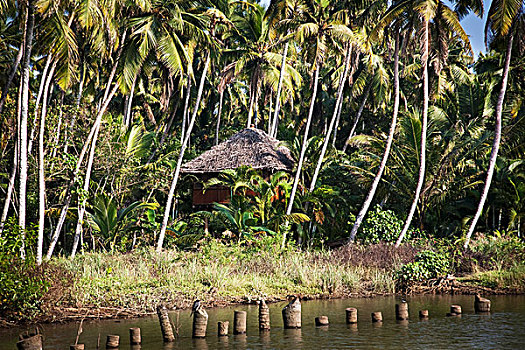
[(423, 313), (264, 316), (377, 316), (239, 322), (165, 324), (134, 336), (481, 304), (112, 341), (351, 315), (402, 311), (321, 321), (200, 323), (76, 347), (292, 314), (455, 310), (30, 341), (223, 328)]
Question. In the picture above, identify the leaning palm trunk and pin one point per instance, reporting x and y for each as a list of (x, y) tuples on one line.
[(24, 110), (87, 178), (43, 81), (273, 129), (171, 193), (497, 140), (375, 183), (303, 149), (41, 174), (422, 159), (217, 128), (127, 112), (186, 107), (10, 189), (332, 121), (11, 77), (358, 116), (67, 201)]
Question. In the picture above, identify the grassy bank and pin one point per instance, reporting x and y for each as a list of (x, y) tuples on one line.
[(134, 283)]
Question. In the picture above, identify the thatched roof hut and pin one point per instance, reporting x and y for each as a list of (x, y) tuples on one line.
[(252, 147)]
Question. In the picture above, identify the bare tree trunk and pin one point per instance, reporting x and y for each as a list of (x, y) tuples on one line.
[(375, 183), (41, 174), (217, 128), (82, 205), (422, 160), (24, 110), (332, 121), (171, 193), (12, 74), (273, 131), (43, 81), (10, 188), (270, 116), (71, 127), (72, 180), (56, 139), (114, 69), (303, 149), (186, 109), (250, 109), (497, 139), (127, 113), (358, 116)]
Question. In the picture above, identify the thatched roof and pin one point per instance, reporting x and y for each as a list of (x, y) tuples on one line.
[(252, 147)]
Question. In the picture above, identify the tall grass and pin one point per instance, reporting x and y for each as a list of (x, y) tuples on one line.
[(143, 278)]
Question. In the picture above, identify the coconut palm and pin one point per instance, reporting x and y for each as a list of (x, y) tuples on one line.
[(506, 20)]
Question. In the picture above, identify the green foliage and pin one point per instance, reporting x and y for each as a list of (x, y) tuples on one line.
[(113, 223), (380, 225), (22, 283), (427, 264)]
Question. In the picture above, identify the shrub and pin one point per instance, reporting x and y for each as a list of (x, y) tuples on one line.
[(380, 225), (427, 264), (22, 283)]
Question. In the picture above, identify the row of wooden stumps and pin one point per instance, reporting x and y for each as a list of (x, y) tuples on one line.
[(291, 314)]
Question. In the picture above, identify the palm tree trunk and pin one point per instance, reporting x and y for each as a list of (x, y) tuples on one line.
[(41, 174), (67, 201), (24, 110), (303, 148), (12, 74), (114, 69), (422, 160), (273, 131), (82, 205), (171, 193), (186, 108), (56, 139), (358, 116), (217, 128), (250, 108), (77, 104), (127, 113), (332, 121), (10, 189), (497, 139), (43, 81), (375, 183)]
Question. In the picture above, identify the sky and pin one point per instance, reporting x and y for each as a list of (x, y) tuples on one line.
[(473, 25)]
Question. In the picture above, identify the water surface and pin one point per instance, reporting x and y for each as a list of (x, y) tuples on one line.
[(504, 328)]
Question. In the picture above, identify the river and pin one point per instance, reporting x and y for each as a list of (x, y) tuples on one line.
[(503, 328)]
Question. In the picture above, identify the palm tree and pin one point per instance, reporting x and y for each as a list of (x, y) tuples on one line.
[(427, 9), (317, 29), (24, 110), (506, 19), (390, 139)]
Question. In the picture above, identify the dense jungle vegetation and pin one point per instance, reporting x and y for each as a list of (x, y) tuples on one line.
[(399, 134)]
